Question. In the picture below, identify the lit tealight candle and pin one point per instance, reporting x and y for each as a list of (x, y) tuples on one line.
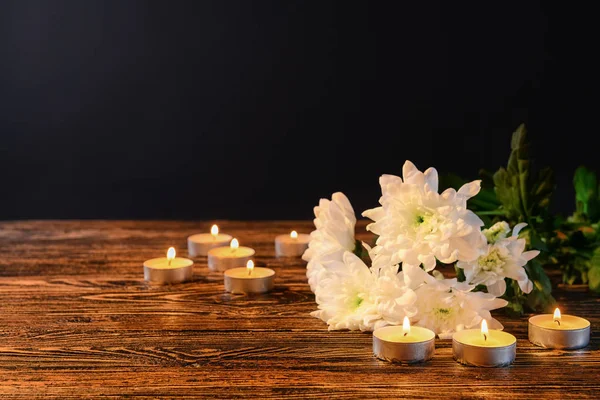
[(249, 279), (169, 269), (403, 344), (292, 245), (232, 256), (199, 244), (556, 331), (483, 347)]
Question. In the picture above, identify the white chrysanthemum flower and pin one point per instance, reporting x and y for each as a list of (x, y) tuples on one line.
[(335, 221), (499, 230), (352, 297), (503, 257), (446, 306), (393, 298), (416, 224)]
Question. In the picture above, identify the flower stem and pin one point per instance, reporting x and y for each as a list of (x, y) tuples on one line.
[(493, 212)]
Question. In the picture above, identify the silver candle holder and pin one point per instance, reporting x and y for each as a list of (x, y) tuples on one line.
[(404, 345), (248, 279), (168, 270), (467, 351), (567, 332)]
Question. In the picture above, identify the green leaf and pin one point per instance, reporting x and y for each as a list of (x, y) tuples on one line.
[(485, 200), (360, 251), (593, 273), (544, 186), (514, 309), (524, 195), (540, 302), (569, 278), (537, 242), (460, 274), (586, 193), (594, 279), (538, 276), (540, 298)]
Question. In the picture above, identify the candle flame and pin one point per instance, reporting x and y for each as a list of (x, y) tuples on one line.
[(294, 235), (171, 254), (250, 267), (234, 244), (557, 316), (214, 230), (484, 329), (406, 326)]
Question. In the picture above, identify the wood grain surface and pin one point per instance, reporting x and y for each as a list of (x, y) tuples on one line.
[(77, 320)]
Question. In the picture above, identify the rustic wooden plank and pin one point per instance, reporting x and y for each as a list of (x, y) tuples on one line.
[(77, 320)]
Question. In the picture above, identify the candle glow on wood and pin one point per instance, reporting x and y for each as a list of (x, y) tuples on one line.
[(214, 231), (250, 267), (294, 235), (171, 254)]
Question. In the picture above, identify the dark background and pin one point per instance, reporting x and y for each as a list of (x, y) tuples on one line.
[(256, 109)]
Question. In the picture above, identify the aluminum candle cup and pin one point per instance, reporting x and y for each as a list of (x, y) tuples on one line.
[(199, 244), (495, 349), (559, 332), (292, 245), (394, 344), (224, 258), (248, 279), (170, 269)]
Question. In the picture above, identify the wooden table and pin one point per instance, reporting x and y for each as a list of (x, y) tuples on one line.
[(77, 320)]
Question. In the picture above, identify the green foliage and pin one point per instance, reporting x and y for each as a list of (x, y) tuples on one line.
[(540, 298), (516, 298), (593, 274), (587, 202), (576, 245), (360, 251), (460, 274), (524, 194), (519, 193)]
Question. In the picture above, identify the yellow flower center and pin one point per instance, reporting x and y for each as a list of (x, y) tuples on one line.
[(492, 261)]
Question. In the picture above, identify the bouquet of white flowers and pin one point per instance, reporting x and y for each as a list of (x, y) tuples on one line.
[(416, 229)]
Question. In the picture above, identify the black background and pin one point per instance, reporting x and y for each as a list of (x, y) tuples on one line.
[(256, 109)]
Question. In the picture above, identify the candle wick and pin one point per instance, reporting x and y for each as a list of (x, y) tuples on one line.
[(249, 272), (557, 321), (405, 333), (170, 262), (484, 337)]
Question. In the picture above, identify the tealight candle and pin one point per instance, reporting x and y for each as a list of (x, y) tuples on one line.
[(403, 344), (200, 243), (483, 347), (559, 331), (224, 258), (248, 279), (292, 245), (168, 269)]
